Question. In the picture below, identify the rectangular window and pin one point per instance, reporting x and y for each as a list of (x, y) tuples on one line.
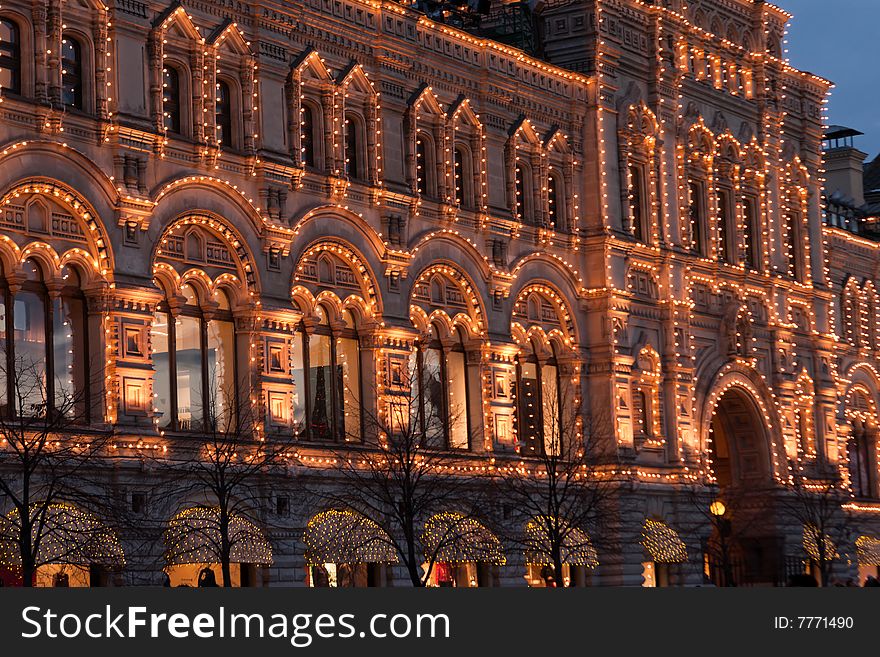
[(320, 388), (299, 387), (750, 234), (349, 384), (162, 366), (190, 412), (723, 229), (457, 378)]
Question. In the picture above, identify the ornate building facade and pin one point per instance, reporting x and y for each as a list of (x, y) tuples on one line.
[(219, 195)]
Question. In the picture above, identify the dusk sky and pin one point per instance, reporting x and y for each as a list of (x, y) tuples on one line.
[(838, 40)]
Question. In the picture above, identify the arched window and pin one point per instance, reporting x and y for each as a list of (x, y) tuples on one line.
[(425, 178), (71, 72), (463, 172), (750, 234), (307, 132), (723, 231), (10, 57), (637, 202), (539, 404), (327, 381), (354, 145), (556, 200), (171, 99), (523, 209), (862, 447), (793, 245), (194, 358), (441, 388), (223, 118), (697, 217), (46, 347)]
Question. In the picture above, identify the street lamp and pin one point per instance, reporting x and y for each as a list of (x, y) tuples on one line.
[(717, 509)]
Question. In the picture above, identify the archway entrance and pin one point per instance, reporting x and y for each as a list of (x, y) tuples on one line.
[(744, 549)]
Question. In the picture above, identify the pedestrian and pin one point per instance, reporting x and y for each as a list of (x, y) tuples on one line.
[(207, 578)]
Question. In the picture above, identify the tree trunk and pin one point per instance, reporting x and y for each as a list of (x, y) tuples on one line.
[(225, 548)]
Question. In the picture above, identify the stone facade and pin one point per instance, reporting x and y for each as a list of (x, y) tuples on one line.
[(641, 218)]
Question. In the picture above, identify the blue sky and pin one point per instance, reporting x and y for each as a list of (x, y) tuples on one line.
[(838, 39)]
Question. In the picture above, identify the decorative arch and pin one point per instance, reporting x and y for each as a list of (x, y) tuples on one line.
[(227, 251), (338, 266), (753, 390), (443, 290), (367, 235), (467, 248), (540, 305), (82, 225), (223, 188)]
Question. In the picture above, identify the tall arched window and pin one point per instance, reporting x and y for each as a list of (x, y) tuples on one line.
[(425, 170), (539, 404), (223, 110), (523, 209), (463, 177), (723, 231), (328, 382), (354, 145), (46, 347), (307, 132), (794, 248), (556, 200), (195, 383), (71, 72), (637, 202), (750, 233), (442, 392), (862, 447), (10, 57), (171, 99), (697, 217)]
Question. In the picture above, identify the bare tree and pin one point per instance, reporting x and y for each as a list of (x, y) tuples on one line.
[(403, 473), (226, 465), (47, 459), (558, 495), (815, 505)]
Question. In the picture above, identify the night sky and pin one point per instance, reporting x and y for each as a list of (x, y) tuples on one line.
[(838, 39)]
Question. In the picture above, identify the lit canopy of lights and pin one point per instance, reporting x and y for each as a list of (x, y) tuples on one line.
[(662, 543), (868, 549), (62, 534), (346, 537), (576, 547), (452, 537), (194, 536), (813, 538)]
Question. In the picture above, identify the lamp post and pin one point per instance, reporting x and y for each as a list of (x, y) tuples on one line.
[(717, 509)]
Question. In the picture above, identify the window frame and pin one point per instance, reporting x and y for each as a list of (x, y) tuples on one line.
[(14, 60), (77, 76), (532, 358), (41, 290), (196, 311), (176, 103), (337, 397), (457, 346)]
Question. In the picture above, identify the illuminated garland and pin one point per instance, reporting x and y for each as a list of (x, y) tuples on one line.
[(663, 543), (812, 536), (193, 536), (69, 535), (868, 550), (454, 538), (346, 537), (577, 548)]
